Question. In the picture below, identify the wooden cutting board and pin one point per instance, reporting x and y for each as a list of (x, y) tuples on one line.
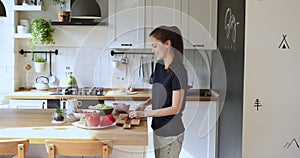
[(123, 120)]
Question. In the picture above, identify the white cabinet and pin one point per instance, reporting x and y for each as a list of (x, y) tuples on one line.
[(199, 23), (131, 21), (28, 104), (200, 121), (166, 12), (126, 23)]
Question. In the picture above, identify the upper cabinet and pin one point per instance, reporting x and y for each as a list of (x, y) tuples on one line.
[(126, 23), (131, 21), (158, 12), (199, 23)]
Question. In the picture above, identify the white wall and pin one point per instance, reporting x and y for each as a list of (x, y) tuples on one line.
[(6, 53), (272, 76), (84, 48)]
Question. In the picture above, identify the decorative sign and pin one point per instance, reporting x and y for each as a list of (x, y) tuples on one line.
[(293, 141), (230, 25), (257, 104), (284, 44)]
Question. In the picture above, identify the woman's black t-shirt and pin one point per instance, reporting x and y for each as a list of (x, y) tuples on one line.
[(165, 81)]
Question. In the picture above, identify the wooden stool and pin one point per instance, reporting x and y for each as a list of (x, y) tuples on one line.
[(78, 148), (14, 146)]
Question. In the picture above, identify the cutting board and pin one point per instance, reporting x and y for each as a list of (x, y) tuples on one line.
[(122, 120)]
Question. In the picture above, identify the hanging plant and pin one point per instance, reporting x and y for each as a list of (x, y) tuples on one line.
[(42, 33)]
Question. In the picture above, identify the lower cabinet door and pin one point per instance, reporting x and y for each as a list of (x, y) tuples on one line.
[(28, 104), (200, 121)]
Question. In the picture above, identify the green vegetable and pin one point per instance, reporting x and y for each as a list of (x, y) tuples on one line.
[(100, 106)]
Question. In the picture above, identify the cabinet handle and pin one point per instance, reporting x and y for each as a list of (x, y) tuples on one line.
[(199, 45), (126, 44)]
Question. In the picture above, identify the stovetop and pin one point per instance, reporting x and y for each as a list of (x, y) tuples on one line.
[(86, 91)]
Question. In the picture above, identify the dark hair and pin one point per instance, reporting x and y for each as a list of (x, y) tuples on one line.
[(172, 33)]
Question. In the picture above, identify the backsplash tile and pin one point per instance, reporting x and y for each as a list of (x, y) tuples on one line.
[(93, 66)]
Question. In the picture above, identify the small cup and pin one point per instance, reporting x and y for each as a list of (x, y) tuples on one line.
[(21, 29)]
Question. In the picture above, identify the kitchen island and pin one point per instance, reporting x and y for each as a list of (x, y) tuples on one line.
[(200, 117), (35, 124)]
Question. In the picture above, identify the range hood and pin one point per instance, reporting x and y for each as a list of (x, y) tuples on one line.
[(83, 12), (85, 9)]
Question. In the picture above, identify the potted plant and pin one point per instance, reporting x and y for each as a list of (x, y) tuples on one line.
[(39, 64), (58, 114), (63, 15), (42, 33)]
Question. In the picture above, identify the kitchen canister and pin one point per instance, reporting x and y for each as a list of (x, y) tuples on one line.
[(26, 24), (20, 29)]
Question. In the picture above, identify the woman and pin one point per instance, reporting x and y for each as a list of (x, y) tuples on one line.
[(168, 92)]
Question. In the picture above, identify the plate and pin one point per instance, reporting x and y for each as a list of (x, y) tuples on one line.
[(81, 125), (132, 93), (57, 122)]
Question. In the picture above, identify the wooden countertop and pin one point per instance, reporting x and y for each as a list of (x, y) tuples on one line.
[(35, 124), (110, 94)]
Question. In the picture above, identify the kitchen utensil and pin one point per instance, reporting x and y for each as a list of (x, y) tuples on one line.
[(42, 83), (152, 71), (51, 77), (27, 80), (125, 60), (141, 68)]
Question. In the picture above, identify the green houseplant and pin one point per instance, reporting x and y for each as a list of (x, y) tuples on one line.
[(58, 114), (42, 34)]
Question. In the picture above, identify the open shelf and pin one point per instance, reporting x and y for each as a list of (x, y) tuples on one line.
[(27, 8), (23, 35), (79, 23)]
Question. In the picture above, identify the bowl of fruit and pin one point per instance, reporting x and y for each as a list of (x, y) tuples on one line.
[(103, 109)]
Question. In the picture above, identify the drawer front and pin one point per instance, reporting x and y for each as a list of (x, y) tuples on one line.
[(28, 104)]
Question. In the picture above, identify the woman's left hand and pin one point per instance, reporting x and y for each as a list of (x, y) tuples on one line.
[(137, 114)]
